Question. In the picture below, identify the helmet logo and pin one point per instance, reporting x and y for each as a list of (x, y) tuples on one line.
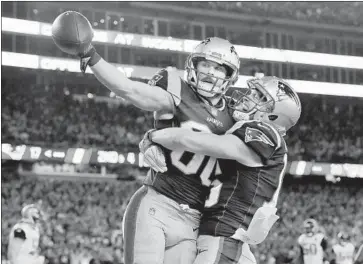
[(281, 90), (233, 50), (206, 41), (284, 90)]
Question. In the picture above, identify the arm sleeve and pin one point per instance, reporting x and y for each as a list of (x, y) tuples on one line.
[(160, 79), (301, 257), (19, 233), (170, 82), (262, 138), (324, 243)]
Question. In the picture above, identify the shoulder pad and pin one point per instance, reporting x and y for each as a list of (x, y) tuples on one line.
[(169, 81), (263, 138), (299, 240), (321, 236)]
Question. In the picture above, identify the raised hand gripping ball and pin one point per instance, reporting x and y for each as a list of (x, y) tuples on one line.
[(72, 33)]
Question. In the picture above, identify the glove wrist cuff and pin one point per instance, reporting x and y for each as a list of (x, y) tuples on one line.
[(94, 57), (149, 135)]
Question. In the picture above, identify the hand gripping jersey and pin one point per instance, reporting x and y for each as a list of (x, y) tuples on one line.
[(187, 179), (312, 248), (344, 254), (24, 243), (247, 191)]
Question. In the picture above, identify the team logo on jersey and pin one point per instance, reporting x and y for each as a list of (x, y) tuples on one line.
[(253, 134), (155, 79)]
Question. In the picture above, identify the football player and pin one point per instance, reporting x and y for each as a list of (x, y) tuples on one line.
[(344, 250), (252, 155), (24, 238), (168, 208), (312, 244), (161, 220), (358, 259)]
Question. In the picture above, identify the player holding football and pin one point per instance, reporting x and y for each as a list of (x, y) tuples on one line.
[(162, 218), (253, 154), (24, 238), (312, 244), (344, 250)]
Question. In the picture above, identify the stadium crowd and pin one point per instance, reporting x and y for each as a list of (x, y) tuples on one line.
[(329, 13), (83, 219), (327, 131)]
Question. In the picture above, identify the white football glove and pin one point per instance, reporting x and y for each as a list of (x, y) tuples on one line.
[(145, 143), (153, 154), (154, 157)]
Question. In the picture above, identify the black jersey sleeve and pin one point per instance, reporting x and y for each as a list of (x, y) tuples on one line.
[(160, 79), (19, 233), (259, 136), (169, 81)]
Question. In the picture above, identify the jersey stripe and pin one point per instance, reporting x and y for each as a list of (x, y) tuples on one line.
[(273, 201), (226, 204), (277, 134), (253, 199)]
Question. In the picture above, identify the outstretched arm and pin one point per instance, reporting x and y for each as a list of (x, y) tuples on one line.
[(226, 146), (142, 95)]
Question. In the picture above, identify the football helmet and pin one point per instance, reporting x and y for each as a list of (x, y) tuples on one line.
[(31, 212), (267, 99), (343, 237), (217, 50), (311, 226)]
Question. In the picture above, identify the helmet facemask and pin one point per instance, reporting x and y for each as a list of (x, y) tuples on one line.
[(252, 101), (343, 238), (209, 85), (310, 227)]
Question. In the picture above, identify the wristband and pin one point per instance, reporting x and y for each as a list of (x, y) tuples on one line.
[(149, 135), (94, 57)]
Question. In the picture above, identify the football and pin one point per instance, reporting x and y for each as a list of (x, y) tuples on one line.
[(72, 32)]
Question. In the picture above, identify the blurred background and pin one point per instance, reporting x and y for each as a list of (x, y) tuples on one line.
[(69, 143)]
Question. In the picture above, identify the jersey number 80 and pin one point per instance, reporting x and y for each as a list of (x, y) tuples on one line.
[(195, 164)]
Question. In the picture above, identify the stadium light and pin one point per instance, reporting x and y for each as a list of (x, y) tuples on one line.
[(185, 45), (51, 63)]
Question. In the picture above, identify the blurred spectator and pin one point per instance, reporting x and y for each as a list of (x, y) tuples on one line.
[(343, 13), (84, 222), (84, 218)]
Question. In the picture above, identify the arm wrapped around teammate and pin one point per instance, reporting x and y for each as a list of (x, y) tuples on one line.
[(153, 154), (155, 158)]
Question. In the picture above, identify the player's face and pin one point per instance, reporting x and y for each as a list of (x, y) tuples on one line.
[(246, 104), (249, 101), (210, 74), (211, 68)]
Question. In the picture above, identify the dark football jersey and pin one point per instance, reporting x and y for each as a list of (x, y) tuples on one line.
[(245, 189), (187, 178)]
